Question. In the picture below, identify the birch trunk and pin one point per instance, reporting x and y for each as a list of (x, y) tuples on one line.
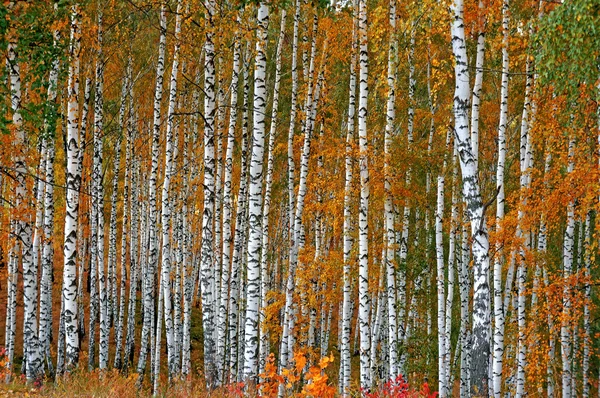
[(499, 311), (207, 279), (112, 247), (474, 208), (127, 182), (565, 328), (23, 230), (99, 189), (264, 337), (586, 306), (240, 231), (134, 264), (525, 163), (441, 295), (45, 328), (227, 217), (477, 86), (170, 148), (69, 289), (347, 228), (363, 281), (284, 355), (255, 198), (148, 275), (390, 232)]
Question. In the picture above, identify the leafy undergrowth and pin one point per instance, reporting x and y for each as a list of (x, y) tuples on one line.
[(297, 382), (399, 388)]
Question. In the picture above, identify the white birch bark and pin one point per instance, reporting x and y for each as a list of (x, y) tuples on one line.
[(112, 240), (37, 238), (47, 263), (586, 306), (499, 311), (565, 328), (255, 198), (99, 192), (112, 234), (390, 232), (452, 257), (440, 282), (474, 208), (69, 288), (363, 281), (478, 84), (23, 230), (127, 183), (284, 352), (150, 268), (264, 337), (465, 334), (347, 228), (240, 231), (188, 283), (207, 276), (166, 207), (134, 264), (228, 216), (525, 164)]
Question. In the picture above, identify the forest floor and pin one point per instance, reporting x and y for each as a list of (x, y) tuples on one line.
[(84, 383)]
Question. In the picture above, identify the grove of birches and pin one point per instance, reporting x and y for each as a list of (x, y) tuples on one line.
[(302, 198)]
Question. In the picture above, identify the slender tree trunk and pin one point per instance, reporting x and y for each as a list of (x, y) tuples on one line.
[(84, 244), (441, 299), (565, 328), (525, 163), (255, 198), (264, 336), (227, 217), (23, 231), (451, 264), (478, 85), (465, 335), (364, 302), (474, 207), (209, 198), (112, 246), (586, 305), (134, 268), (170, 148), (347, 231), (47, 263), (499, 311), (69, 289), (150, 268), (127, 131), (99, 193), (240, 230), (390, 231), (284, 354)]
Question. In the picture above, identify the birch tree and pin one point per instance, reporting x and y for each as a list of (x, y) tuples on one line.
[(364, 301), (170, 148), (474, 207), (69, 288), (347, 289), (148, 275), (499, 311), (209, 197), (255, 197), (390, 232)]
